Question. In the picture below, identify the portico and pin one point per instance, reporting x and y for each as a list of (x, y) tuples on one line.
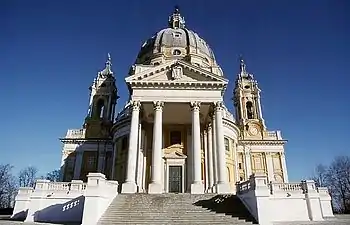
[(180, 152), (171, 96)]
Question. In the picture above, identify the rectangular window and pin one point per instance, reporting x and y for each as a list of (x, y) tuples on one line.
[(227, 145), (240, 166), (175, 137)]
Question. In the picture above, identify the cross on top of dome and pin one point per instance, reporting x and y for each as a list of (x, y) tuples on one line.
[(176, 20)]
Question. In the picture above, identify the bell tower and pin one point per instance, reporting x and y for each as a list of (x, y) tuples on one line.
[(247, 103), (103, 99)]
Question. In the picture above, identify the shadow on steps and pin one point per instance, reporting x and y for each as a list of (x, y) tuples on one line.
[(228, 204)]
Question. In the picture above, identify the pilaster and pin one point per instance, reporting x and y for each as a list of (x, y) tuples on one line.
[(206, 174), (101, 161), (78, 164), (284, 167), (210, 159), (247, 161), (269, 165), (215, 162)]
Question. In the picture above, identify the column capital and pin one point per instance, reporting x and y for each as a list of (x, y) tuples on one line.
[(218, 106), (158, 105), (268, 154), (209, 127), (135, 105), (195, 105)]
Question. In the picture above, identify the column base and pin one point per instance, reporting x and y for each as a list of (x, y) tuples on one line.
[(197, 188), (213, 189), (155, 188), (129, 188), (223, 188)]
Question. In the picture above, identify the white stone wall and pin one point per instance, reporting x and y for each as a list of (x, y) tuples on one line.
[(281, 202)]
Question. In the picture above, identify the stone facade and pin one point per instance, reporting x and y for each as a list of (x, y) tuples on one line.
[(175, 134)]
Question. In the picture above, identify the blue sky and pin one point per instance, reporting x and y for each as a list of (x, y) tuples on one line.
[(50, 52)]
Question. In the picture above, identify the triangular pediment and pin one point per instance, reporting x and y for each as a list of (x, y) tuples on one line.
[(176, 72)]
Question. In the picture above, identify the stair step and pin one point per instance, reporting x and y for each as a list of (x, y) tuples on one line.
[(175, 209)]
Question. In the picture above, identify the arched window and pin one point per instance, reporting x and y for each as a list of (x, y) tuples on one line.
[(227, 144), (100, 108), (249, 107)]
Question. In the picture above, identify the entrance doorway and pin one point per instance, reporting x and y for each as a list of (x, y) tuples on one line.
[(175, 179)]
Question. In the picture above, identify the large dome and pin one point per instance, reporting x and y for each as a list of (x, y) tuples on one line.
[(178, 42)]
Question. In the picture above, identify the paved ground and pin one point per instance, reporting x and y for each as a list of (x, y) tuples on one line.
[(338, 220)]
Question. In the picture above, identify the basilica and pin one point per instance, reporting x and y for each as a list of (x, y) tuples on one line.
[(175, 134)]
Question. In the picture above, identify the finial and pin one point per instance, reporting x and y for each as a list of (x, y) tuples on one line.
[(108, 68), (177, 9), (109, 58), (176, 20), (242, 65)]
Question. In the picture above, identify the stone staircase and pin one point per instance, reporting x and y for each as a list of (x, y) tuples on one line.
[(176, 209)]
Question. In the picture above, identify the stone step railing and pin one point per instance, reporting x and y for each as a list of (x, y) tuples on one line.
[(286, 187), (46, 185), (300, 201)]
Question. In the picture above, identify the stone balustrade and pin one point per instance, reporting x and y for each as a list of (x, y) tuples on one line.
[(286, 187), (244, 186), (75, 133), (300, 201), (273, 135), (46, 185), (48, 199)]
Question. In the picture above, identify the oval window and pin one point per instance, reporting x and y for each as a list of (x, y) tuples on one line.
[(176, 52)]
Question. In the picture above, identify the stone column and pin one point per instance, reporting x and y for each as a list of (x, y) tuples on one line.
[(210, 159), (284, 167), (189, 161), (197, 186), (129, 186), (205, 141), (222, 186), (114, 155), (156, 187), (139, 160), (215, 162), (63, 164), (77, 165), (145, 149), (248, 162), (269, 165)]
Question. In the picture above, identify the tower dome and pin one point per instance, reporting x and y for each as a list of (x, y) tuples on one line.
[(178, 42)]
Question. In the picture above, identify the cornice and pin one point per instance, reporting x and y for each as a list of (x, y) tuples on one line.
[(121, 123), (85, 140), (231, 124), (197, 85), (262, 142), (168, 66)]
